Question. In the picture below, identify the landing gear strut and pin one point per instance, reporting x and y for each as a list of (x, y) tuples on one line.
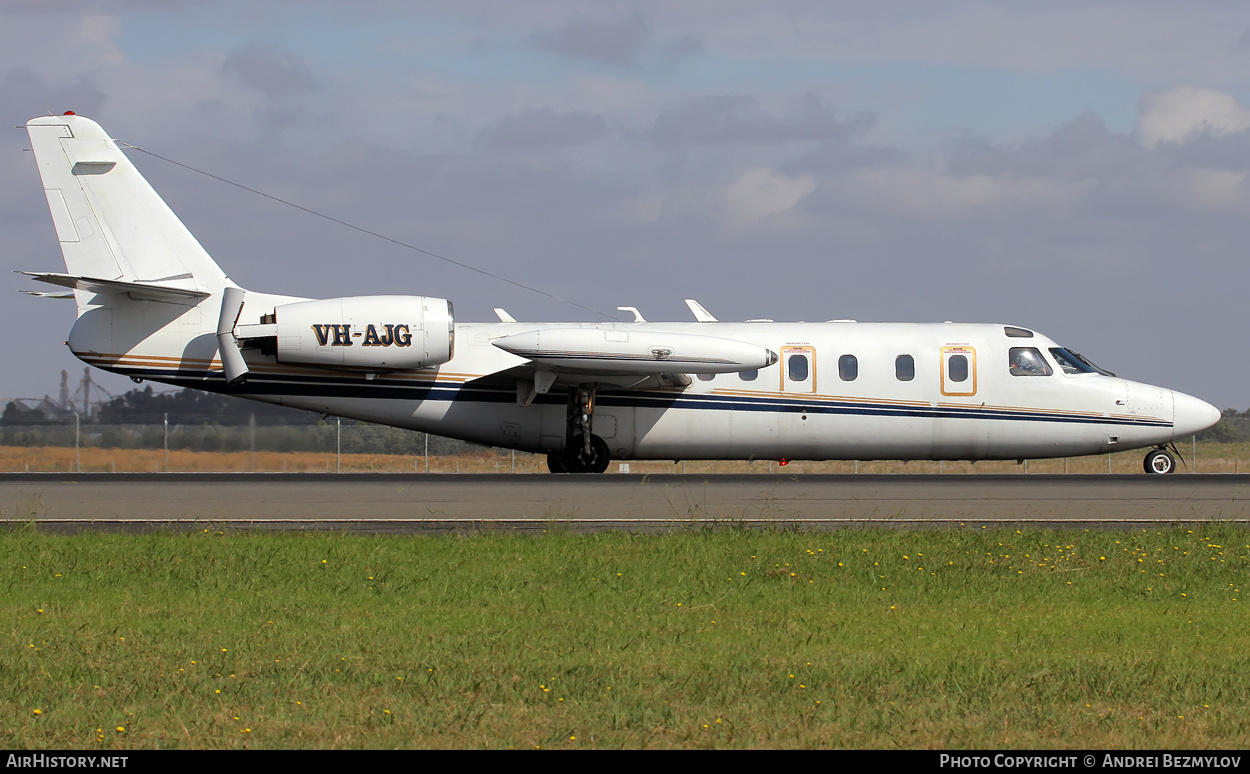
[(1160, 462), (584, 452)]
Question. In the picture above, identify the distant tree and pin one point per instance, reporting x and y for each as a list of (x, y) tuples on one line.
[(1233, 427), (16, 415), (195, 407)]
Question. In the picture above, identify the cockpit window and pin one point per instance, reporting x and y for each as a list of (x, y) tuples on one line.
[(1073, 363), (1028, 361)]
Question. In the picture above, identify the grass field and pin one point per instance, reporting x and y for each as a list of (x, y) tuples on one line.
[(1211, 458), (725, 638)]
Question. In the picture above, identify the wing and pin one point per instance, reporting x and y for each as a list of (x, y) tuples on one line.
[(638, 357)]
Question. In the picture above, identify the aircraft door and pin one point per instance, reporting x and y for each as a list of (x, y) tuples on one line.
[(959, 370), (798, 369)]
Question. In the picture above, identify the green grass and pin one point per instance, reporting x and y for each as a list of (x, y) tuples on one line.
[(725, 638)]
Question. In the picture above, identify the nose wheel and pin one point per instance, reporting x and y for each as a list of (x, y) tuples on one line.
[(1160, 462)]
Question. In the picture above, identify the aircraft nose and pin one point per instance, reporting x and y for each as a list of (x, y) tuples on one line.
[(1191, 415)]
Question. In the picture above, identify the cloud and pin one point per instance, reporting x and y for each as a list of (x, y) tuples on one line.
[(760, 193), (52, 7), (1186, 112), (614, 43), (922, 194), (688, 46), (737, 118), (1082, 148), (542, 128), (24, 94), (275, 72)]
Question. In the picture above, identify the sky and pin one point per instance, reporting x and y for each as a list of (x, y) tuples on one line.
[(1077, 168)]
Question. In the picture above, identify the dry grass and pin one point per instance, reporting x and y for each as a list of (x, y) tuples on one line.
[(1211, 458)]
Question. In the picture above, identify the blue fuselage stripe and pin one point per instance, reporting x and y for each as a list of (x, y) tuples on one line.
[(333, 387)]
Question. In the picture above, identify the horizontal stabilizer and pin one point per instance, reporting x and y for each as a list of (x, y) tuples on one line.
[(42, 294), (143, 291)]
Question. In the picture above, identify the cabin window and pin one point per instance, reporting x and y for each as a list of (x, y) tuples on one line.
[(1028, 361), (848, 368), (904, 368), (749, 376), (706, 377), (797, 367), (957, 368)]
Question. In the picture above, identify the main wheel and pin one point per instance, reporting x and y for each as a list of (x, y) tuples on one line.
[(555, 463), (597, 462), (1159, 462)]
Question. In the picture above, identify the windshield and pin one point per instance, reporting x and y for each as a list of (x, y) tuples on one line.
[(1074, 363)]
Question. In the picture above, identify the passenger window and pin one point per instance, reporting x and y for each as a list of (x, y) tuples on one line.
[(1028, 361), (904, 368), (749, 376), (706, 377), (848, 368), (957, 368), (798, 368)]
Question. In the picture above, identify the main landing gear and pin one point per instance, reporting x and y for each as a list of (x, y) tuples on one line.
[(584, 452), (1160, 462)]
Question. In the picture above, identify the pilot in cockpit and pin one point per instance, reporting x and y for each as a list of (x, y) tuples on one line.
[(1027, 361)]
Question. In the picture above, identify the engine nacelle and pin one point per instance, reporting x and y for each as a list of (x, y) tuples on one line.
[(371, 333)]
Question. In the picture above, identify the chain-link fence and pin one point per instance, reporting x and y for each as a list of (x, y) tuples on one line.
[(188, 442), (172, 443)]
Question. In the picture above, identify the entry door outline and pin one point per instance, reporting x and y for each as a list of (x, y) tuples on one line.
[(805, 385), (969, 385)]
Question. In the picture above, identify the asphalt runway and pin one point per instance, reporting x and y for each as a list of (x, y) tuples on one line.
[(408, 503)]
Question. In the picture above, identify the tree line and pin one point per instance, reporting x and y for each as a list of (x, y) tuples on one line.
[(203, 421)]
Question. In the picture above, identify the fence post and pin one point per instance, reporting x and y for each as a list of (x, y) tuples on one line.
[(427, 452), (338, 445), (77, 460), (166, 441)]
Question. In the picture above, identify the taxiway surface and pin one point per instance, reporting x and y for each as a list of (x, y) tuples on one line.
[(436, 503)]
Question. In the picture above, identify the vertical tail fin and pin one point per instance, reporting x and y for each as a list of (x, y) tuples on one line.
[(110, 223)]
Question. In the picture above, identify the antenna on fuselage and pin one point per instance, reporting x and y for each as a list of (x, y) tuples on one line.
[(700, 314)]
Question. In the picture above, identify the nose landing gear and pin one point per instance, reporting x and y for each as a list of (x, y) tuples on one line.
[(1160, 462)]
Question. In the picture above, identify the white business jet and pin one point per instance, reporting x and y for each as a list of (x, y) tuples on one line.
[(153, 305)]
